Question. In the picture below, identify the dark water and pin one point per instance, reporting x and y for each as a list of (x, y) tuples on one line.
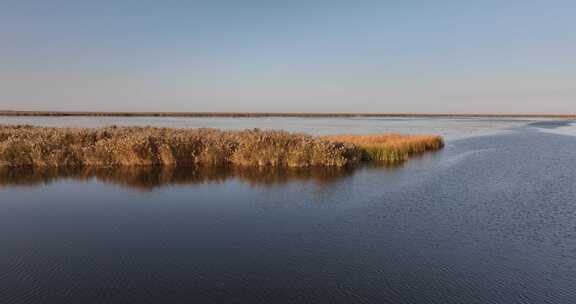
[(490, 219)]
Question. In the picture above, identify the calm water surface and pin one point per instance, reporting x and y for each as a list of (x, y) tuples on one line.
[(451, 128), (490, 219)]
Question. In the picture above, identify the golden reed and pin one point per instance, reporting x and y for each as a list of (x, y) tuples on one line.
[(390, 148), (22, 146)]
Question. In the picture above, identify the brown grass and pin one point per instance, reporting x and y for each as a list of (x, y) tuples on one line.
[(135, 146), (27, 146), (390, 148)]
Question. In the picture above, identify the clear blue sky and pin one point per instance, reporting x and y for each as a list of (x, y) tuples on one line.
[(308, 56)]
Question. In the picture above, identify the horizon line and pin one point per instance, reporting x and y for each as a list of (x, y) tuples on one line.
[(277, 114)]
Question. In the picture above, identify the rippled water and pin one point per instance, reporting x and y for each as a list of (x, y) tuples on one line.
[(490, 219)]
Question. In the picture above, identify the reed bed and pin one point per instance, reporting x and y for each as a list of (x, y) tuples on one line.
[(147, 146), (390, 148), (29, 146)]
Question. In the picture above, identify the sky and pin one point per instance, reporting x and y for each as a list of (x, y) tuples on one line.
[(289, 56)]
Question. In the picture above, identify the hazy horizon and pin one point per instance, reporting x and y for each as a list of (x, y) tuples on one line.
[(298, 56)]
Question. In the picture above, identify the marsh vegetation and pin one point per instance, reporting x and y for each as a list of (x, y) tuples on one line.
[(390, 148), (29, 146)]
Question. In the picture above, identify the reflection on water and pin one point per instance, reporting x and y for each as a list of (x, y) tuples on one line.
[(149, 178)]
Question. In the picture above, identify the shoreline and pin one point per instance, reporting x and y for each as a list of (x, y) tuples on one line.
[(278, 114)]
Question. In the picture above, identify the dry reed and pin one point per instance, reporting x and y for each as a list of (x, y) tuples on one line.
[(390, 148), (28, 146), (146, 146)]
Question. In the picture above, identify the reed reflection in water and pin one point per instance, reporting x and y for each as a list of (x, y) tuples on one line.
[(150, 178)]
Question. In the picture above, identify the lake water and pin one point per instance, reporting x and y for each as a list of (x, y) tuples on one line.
[(450, 128), (489, 219)]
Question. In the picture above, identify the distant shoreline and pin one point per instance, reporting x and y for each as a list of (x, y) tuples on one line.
[(277, 114)]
